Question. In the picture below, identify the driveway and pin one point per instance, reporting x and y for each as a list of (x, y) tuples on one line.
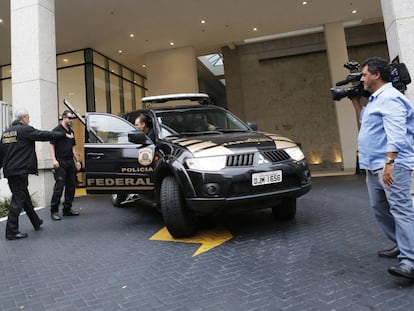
[(119, 259)]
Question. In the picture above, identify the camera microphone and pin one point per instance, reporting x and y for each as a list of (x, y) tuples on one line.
[(343, 82), (351, 78)]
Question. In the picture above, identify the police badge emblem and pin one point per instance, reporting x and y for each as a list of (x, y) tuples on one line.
[(145, 156)]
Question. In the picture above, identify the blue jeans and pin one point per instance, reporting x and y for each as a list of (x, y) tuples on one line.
[(393, 208)]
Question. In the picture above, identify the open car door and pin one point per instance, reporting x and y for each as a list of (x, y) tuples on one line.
[(118, 157)]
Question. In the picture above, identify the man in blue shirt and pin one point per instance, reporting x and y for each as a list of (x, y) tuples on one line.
[(386, 152)]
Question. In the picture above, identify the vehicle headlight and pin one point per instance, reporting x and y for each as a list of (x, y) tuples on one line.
[(295, 153), (207, 163)]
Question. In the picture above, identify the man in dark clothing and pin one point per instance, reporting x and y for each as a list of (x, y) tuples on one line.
[(65, 165), (19, 159), (144, 123)]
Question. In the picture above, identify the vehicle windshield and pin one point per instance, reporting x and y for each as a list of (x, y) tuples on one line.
[(192, 122)]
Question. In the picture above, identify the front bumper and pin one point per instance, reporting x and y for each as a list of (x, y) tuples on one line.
[(249, 202), (232, 188)]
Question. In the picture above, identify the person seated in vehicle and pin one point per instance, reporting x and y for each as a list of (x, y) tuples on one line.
[(210, 126), (177, 124), (200, 123), (144, 123)]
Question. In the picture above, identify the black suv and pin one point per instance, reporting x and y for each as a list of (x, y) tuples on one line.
[(203, 160)]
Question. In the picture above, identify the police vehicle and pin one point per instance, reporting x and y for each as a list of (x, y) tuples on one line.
[(204, 160)]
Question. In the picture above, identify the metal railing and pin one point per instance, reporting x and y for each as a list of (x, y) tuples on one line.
[(5, 115)]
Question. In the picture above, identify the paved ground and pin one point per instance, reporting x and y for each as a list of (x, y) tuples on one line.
[(103, 260)]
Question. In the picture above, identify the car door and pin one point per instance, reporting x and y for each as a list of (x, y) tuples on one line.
[(114, 162)]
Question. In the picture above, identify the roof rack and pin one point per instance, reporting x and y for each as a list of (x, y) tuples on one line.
[(199, 97)]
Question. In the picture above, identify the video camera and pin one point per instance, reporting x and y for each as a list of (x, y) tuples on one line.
[(400, 77)]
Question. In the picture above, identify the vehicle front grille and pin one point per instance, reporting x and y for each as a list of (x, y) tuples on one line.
[(246, 159), (240, 159), (276, 155)]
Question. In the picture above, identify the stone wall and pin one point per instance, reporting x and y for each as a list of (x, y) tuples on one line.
[(284, 85)]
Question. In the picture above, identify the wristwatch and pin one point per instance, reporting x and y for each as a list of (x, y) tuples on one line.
[(388, 160)]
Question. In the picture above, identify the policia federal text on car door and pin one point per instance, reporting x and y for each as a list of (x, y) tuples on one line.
[(118, 158)]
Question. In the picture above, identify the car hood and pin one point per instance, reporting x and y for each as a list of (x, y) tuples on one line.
[(233, 143)]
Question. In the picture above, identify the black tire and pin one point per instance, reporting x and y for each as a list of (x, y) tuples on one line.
[(179, 220), (116, 199), (286, 210)]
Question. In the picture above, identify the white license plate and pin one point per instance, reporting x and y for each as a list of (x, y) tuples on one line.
[(266, 178)]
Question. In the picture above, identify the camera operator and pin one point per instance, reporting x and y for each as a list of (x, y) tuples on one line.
[(386, 152)]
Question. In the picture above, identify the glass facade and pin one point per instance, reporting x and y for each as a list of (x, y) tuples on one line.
[(115, 94), (5, 97), (72, 87), (100, 90), (90, 81)]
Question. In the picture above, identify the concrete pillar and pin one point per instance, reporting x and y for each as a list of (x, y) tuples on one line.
[(347, 122), (399, 27), (34, 79), (172, 71)]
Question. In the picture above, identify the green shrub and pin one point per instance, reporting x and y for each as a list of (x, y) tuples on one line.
[(4, 206), (5, 203)]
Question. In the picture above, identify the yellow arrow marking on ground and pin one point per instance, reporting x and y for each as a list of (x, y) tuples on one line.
[(207, 238), (80, 192)]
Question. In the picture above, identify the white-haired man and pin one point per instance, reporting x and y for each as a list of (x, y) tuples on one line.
[(19, 159)]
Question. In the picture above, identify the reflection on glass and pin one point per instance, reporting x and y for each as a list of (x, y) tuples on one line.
[(5, 72), (109, 129), (70, 59), (127, 86), (99, 59), (72, 87), (114, 89), (114, 68), (100, 95), (139, 93), (127, 74)]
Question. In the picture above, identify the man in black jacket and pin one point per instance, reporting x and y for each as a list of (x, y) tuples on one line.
[(19, 159), (65, 166)]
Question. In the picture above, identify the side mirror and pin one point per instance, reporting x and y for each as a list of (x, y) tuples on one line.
[(139, 137), (252, 125)]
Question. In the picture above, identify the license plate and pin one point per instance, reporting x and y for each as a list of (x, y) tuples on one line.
[(265, 178)]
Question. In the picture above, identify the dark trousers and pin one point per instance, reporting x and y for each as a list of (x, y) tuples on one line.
[(20, 201), (65, 179)]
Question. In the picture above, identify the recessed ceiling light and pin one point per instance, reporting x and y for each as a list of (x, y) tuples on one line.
[(120, 52), (143, 66), (65, 60), (171, 43), (304, 2), (1, 20), (131, 35), (254, 28), (354, 11), (203, 21)]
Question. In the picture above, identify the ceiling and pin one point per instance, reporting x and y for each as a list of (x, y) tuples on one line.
[(107, 25)]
